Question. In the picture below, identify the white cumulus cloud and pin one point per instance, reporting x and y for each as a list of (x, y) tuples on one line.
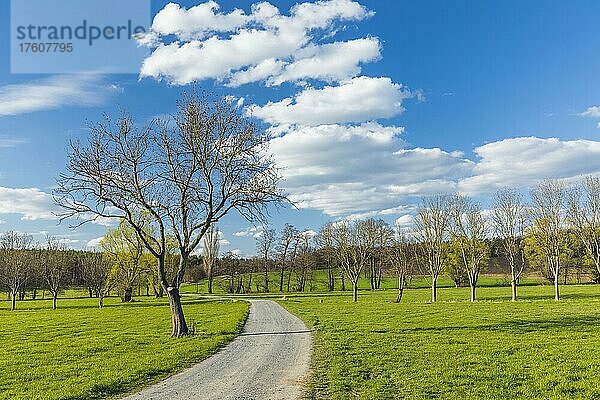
[(356, 100), (239, 48), (30, 203), (524, 161)]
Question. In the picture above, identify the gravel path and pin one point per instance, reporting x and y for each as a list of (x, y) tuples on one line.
[(268, 360)]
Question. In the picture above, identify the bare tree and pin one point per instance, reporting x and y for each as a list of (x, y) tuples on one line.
[(284, 248), (15, 262), (325, 241), (304, 259), (211, 254), (509, 217), (378, 236), (55, 260), (96, 273), (548, 200), (351, 242), (584, 216), (431, 229), (184, 176), (468, 229), (402, 257), (264, 246)]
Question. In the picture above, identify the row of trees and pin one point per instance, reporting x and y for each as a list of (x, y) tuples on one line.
[(122, 265), (451, 234), (25, 265)]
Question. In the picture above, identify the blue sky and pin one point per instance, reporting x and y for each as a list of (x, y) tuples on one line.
[(460, 95)]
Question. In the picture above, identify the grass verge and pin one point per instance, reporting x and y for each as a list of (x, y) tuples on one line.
[(81, 352)]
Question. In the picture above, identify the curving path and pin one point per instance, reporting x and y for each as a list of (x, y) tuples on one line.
[(269, 360)]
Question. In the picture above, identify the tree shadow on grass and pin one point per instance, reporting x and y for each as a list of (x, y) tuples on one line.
[(519, 326), (549, 296)]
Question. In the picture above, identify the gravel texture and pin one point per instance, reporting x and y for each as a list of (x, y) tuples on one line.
[(269, 360)]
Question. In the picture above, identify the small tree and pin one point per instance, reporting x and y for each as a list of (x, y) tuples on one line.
[(96, 273), (378, 236), (548, 228), (305, 258), (284, 247), (431, 229), (584, 216), (402, 257), (55, 260), (15, 262), (351, 242), (325, 241), (264, 246), (125, 251), (210, 255), (509, 216), (468, 228)]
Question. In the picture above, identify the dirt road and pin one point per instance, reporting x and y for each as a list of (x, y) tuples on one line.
[(268, 360)]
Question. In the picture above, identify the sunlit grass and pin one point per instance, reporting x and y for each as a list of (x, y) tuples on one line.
[(82, 352), (492, 349)]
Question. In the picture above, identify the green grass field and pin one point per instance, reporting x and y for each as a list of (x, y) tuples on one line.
[(79, 351), (373, 349), (492, 349)]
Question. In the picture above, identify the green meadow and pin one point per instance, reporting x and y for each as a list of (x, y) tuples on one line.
[(82, 352), (372, 349), (454, 349)]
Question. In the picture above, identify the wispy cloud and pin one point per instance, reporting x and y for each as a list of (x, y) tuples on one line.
[(11, 141), (85, 90)]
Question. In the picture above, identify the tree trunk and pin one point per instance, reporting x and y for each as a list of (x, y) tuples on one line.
[(127, 295), (210, 282), (177, 318), (281, 276), (434, 289), (13, 302), (101, 301), (514, 289), (34, 293), (556, 294), (90, 292), (472, 292), (400, 293), (354, 290), (54, 297), (343, 282), (400, 288), (331, 279), (266, 278)]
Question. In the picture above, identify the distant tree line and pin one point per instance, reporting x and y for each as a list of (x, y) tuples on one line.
[(122, 267), (555, 234)]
